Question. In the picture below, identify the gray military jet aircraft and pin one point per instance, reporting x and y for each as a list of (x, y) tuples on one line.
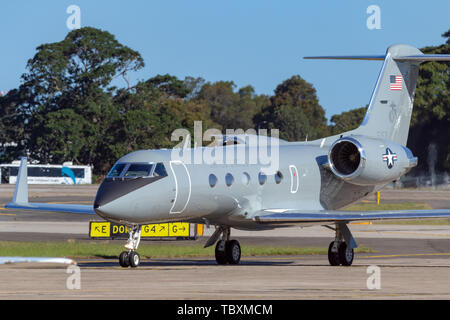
[(310, 182)]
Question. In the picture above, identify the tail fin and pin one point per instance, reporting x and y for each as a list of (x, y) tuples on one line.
[(390, 108)]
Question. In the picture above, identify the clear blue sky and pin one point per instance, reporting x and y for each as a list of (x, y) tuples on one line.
[(256, 42)]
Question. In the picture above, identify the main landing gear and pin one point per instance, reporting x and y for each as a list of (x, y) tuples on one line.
[(227, 251), (340, 251), (340, 254), (130, 258)]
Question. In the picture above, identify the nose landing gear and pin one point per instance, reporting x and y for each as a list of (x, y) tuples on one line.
[(131, 258)]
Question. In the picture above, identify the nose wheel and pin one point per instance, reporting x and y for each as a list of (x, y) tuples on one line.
[(131, 258)]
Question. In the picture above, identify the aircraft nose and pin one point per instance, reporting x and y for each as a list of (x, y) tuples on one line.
[(112, 189), (108, 191)]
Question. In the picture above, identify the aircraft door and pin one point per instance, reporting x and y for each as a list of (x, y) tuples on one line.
[(182, 181), (294, 178)]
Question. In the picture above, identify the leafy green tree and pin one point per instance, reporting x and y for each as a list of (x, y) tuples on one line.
[(294, 122), (431, 113), (230, 109), (67, 96), (347, 120), (170, 85), (297, 99), (194, 86), (145, 121), (12, 127)]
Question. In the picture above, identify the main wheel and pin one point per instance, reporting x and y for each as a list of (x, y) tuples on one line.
[(346, 254), (221, 257), (134, 259), (333, 257), (123, 259), (233, 251)]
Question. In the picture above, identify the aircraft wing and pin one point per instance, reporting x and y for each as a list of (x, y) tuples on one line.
[(63, 208), (286, 217), (20, 198)]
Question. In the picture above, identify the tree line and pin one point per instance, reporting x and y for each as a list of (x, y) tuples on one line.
[(69, 106)]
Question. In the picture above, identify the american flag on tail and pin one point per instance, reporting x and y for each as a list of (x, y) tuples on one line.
[(396, 83)]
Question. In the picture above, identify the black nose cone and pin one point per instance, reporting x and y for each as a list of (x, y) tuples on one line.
[(112, 189)]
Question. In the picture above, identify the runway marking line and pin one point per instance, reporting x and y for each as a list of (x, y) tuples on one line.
[(407, 255), (417, 233), (2, 208), (407, 232)]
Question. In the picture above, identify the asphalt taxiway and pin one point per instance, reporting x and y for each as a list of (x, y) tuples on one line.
[(302, 277), (413, 260)]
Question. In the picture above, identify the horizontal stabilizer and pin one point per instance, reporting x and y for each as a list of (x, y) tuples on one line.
[(412, 58), (368, 57), (424, 57)]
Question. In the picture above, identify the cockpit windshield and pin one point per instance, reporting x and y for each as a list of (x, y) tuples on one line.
[(160, 170), (116, 170), (136, 170)]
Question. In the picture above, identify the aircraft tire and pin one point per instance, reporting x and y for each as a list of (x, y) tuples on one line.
[(233, 251), (333, 257), (123, 260), (346, 254), (220, 252), (134, 259)]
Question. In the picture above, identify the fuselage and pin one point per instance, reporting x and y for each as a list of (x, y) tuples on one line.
[(227, 192)]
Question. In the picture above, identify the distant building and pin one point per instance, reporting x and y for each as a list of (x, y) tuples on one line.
[(65, 173)]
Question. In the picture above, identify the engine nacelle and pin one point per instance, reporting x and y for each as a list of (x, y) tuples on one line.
[(367, 161)]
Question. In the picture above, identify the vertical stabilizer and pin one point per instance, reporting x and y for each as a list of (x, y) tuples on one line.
[(389, 113), (391, 104)]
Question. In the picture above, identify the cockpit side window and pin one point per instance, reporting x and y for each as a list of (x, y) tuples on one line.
[(138, 170), (160, 170), (116, 170)]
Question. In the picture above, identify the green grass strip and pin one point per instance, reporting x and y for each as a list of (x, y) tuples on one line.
[(399, 206), (388, 206)]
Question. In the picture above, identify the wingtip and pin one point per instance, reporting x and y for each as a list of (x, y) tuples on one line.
[(21, 189)]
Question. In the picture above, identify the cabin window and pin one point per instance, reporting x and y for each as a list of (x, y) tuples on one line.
[(138, 170), (262, 178), (212, 180), (229, 179), (278, 177)]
